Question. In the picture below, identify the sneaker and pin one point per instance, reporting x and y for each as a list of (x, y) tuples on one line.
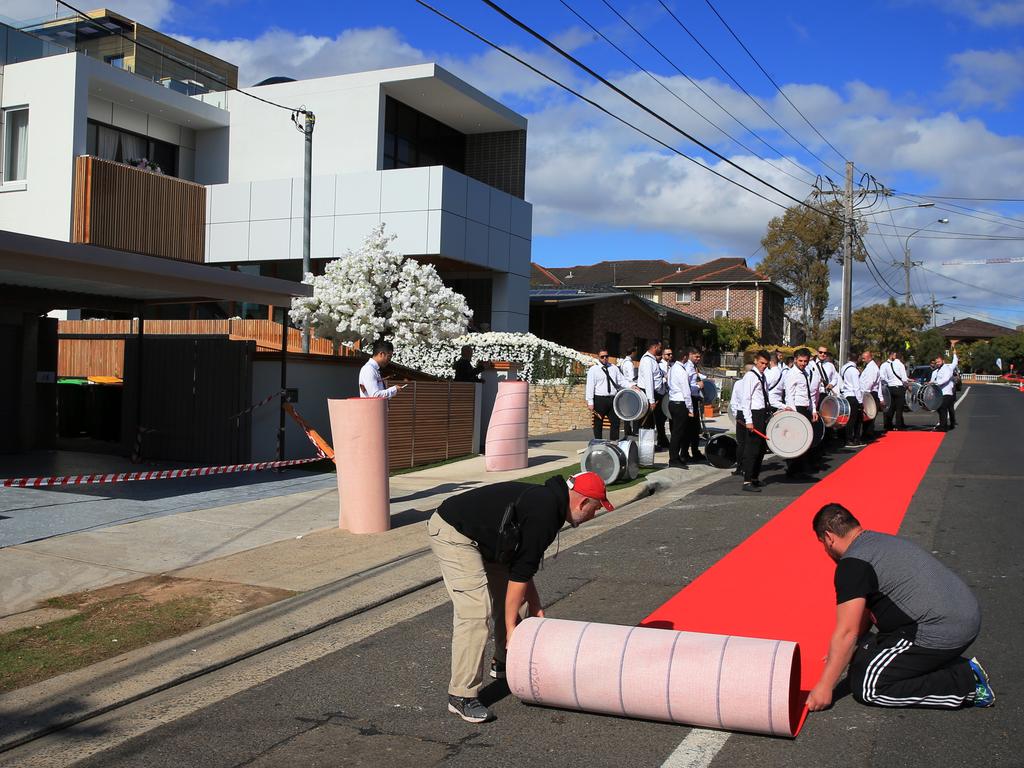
[(470, 710), (497, 669), (757, 483), (984, 696), (751, 488), (679, 464)]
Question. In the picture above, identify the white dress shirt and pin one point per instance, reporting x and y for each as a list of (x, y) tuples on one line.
[(825, 373), (604, 385), (371, 384), (870, 380), (942, 377), (691, 371), (801, 389), (679, 386), (649, 377), (736, 399), (893, 373), (627, 368), (753, 394), (851, 382), (776, 389)]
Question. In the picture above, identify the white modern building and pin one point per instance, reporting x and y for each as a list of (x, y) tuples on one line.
[(441, 164)]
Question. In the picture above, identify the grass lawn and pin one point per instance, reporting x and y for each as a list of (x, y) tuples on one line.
[(572, 469)]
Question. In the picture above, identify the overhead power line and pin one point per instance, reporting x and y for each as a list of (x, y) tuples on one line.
[(591, 102), (972, 285), (974, 199), (772, 80), (679, 98)]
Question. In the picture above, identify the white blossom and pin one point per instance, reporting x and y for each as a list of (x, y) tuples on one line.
[(376, 293)]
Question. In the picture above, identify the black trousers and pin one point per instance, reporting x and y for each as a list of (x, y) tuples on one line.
[(810, 459), (855, 426), (869, 426), (947, 414), (696, 426), (754, 445), (890, 671), (741, 439), (602, 408), (894, 410), (680, 431)]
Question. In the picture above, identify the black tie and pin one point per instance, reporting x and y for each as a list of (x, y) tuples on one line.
[(764, 388), (609, 377), (807, 381)]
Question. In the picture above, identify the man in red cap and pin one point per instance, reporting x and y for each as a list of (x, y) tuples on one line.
[(490, 542)]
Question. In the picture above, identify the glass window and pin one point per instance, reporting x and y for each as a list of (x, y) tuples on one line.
[(415, 140), (15, 144), (683, 296)]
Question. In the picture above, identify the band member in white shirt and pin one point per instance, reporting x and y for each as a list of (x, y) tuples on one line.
[(680, 406), (775, 376), (755, 417), (870, 383), (825, 371), (850, 377), (651, 380), (802, 396), (603, 381), (894, 378), (626, 366), (736, 410), (370, 382), (942, 377), (696, 393)]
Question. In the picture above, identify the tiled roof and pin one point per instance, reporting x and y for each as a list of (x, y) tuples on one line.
[(551, 298), (969, 327), (542, 278), (717, 270), (630, 272)]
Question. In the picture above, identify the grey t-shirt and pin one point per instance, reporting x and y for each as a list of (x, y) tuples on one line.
[(908, 591)]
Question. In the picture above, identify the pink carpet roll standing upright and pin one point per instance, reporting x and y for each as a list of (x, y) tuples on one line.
[(712, 681), (359, 431), (506, 446)]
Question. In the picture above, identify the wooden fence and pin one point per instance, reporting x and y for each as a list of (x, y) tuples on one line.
[(120, 207), (96, 347), (430, 421)]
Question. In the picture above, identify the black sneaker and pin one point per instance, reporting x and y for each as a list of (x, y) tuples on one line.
[(497, 669), (679, 464), (751, 488), (470, 710)]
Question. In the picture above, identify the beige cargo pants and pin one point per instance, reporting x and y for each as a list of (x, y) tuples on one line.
[(477, 590)]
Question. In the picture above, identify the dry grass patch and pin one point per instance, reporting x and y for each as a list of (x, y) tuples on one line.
[(120, 618)]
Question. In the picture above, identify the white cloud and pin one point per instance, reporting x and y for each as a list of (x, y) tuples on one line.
[(986, 77), (988, 13), (149, 12)]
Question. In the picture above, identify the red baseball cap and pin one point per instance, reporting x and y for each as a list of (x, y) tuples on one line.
[(591, 485)]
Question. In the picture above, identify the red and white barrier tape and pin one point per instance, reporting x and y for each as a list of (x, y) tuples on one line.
[(156, 474)]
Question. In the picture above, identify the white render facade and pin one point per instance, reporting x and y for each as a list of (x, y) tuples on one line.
[(249, 155)]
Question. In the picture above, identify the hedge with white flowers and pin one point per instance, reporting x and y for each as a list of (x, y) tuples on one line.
[(376, 293), (538, 361)]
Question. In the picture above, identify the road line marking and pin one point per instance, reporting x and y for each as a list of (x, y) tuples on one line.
[(697, 750), (957, 403)]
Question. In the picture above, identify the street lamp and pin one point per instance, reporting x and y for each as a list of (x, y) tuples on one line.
[(906, 254)]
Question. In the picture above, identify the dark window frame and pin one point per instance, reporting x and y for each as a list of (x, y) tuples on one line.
[(92, 145), (413, 139)]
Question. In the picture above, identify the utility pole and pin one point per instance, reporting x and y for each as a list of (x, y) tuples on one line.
[(849, 229), (307, 193)]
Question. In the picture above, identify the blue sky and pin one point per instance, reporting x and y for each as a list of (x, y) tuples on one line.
[(926, 95)]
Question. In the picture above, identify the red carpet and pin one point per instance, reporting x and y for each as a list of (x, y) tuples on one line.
[(778, 583)]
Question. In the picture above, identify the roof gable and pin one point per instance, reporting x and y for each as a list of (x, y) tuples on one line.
[(972, 327)]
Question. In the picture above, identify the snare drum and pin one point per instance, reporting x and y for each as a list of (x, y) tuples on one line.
[(790, 434), (834, 411)]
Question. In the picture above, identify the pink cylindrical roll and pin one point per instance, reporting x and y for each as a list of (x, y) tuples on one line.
[(713, 681), (359, 429), (507, 443)]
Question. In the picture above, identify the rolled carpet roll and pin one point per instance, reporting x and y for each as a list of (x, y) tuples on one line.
[(507, 433), (712, 681), (359, 429)]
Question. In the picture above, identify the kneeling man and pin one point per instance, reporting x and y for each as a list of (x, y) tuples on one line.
[(926, 617)]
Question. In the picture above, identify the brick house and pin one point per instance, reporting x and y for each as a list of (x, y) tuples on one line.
[(724, 287), (613, 320)]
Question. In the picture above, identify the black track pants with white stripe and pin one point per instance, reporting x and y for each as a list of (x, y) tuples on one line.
[(889, 671)]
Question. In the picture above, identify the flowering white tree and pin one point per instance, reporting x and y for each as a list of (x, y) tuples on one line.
[(376, 293)]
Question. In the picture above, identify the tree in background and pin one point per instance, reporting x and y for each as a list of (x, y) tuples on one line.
[(1011, 350), (928, 345), (734, 334), (879, 327), (376, 293), (798, 248)]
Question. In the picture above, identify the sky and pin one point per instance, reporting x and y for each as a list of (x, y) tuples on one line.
[(926, 96)]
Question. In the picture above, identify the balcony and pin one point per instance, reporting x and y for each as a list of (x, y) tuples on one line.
[(117, 206)]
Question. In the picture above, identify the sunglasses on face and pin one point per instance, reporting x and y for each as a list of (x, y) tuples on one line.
[(602, 356)]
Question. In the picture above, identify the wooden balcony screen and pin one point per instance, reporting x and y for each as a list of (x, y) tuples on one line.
[(117, 206), (430, 421)]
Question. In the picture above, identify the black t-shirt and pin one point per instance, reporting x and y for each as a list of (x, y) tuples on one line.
[(541, 511)]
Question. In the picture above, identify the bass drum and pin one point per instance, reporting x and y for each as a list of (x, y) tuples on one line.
[(912, 396), (665, 410), (869, 407), (931, 397), (630, 404), (721, 451), (631, 453), (818, 431), (710, 392), (606, 460), (790, 434), (834, 411)]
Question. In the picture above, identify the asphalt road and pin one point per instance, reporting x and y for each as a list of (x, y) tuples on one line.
[(382, 702)]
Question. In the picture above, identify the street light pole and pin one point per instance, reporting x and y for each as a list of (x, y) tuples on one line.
[(309, 120), (907, 263)]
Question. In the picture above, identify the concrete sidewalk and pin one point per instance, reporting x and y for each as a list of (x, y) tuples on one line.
[(185, 541)]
